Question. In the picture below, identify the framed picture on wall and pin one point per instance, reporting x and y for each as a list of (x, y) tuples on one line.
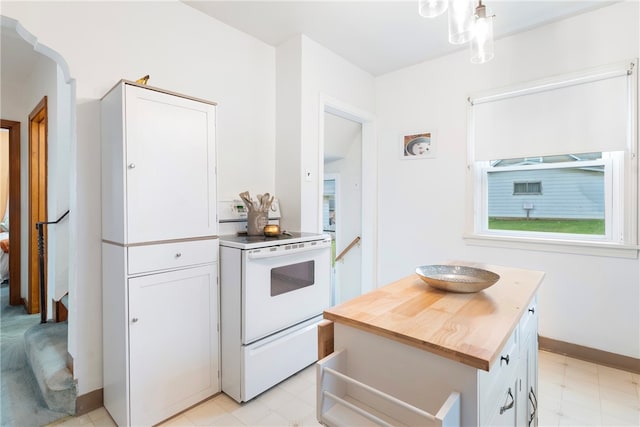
[(418, 145)]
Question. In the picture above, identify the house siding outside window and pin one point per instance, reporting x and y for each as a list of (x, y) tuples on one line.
[(571, 193)]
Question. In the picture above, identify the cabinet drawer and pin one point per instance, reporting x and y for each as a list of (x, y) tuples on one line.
[(504, 366), (501, 409), (167, 256), (529, 321)]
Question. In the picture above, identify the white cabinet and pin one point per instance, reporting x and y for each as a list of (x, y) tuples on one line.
[(512, 399), (528, 397), (159, 166), (172, 350), (159, 254)]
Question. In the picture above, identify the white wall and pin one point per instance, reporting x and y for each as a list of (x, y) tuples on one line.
[(184, 51), (323, 73), (288, 130), (586, 300), (61, 203)]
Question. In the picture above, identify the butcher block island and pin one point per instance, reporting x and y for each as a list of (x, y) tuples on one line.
[(410, 354)]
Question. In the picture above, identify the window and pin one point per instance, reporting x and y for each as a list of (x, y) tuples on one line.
[(532, 179), (520, 188), (574, 202)]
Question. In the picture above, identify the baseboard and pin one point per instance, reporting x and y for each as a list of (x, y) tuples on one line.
[(589, 354), (89, 402)]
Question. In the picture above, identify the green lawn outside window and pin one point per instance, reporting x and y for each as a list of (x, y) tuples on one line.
[(571, 226)]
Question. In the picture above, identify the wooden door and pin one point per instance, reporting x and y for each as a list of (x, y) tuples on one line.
[(14, 210), (173, 342), (170, 167), (37, 201)]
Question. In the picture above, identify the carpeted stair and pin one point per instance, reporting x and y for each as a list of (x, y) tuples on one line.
[(46, 348), (21, 403)]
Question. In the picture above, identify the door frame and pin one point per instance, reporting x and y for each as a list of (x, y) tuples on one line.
[(14, 210), (369, 242), (335, 291), (38, 129)]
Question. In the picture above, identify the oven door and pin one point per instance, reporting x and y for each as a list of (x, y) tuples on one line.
[(281, 288)]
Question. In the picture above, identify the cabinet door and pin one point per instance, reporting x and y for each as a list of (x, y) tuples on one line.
[(504, 408), (173, 342), (531, 392), (170, 166)]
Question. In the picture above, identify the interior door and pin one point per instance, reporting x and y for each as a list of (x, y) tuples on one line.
[(37, 204), (173, 344), (170, 158)]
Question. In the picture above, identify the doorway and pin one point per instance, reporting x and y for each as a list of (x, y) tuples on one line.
[(342, 203), (37, 202), (14, 209), (349, 168)]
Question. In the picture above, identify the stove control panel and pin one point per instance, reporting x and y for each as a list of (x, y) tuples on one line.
[(236, 211)]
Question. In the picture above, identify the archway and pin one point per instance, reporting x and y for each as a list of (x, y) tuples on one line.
[(25, 60)]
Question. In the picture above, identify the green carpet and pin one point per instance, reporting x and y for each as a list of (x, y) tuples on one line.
[(21, 404)]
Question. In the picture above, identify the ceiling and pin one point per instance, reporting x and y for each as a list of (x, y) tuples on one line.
[(339, 136), (17, 57), (378, 36)]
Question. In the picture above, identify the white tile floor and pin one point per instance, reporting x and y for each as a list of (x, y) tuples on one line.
[(571, 393), (577, 393)]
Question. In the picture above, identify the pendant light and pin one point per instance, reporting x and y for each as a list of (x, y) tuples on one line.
[(467, 23), (432, 8), (461, 19), (482, 41)]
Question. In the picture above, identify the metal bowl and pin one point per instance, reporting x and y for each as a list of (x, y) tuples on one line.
[(271, 230), (457, 278)]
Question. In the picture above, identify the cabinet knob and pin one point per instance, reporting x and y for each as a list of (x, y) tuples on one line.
[(505, 358), (132, 165), (532, 310), (134, 320), (178, 254)]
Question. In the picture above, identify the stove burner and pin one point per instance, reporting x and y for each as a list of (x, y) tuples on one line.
[(244, 241)]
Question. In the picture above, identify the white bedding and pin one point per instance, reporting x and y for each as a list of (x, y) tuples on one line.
[(4, 260)]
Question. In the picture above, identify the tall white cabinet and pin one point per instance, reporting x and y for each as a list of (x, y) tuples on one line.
[(159, 253)]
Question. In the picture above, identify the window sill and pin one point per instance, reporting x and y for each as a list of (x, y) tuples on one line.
[(547, 245)]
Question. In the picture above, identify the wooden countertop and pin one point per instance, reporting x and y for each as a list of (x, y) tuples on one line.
[(470, 328)]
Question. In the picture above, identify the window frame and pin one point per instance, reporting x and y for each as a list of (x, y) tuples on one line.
[(612, 205)]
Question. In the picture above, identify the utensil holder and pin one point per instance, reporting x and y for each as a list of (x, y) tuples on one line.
[(256, 220)]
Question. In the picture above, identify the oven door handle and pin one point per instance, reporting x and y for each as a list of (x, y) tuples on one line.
[(266, 253)]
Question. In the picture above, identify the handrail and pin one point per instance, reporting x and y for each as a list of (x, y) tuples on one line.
[(348, 248), (52, 222), (43, 301)]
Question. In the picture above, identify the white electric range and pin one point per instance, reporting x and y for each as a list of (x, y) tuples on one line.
[(273, 291)]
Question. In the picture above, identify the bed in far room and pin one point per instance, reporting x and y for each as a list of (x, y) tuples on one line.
[(4, 249), (4, 256)]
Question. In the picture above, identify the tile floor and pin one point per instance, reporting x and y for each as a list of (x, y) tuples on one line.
[(572, 393)]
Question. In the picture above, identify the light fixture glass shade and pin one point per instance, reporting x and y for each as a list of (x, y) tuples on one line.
[(482, 41), (461, 17), (432, 8)]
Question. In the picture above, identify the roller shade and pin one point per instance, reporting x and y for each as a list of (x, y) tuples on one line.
[(589, 113)]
